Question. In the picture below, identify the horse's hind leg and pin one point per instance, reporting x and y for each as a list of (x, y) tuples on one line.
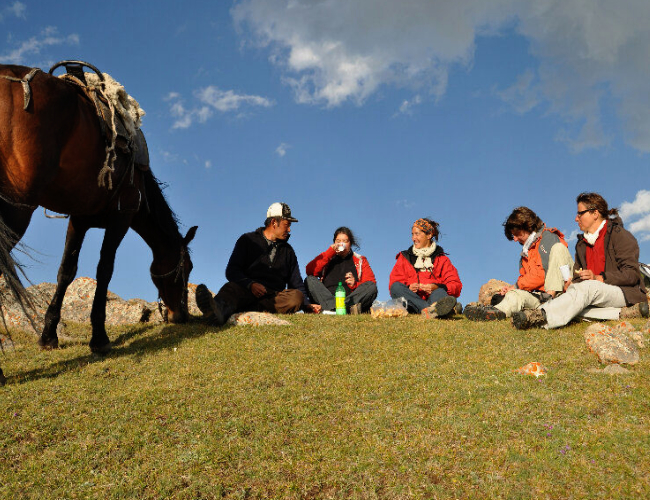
[(115, 232), (67, 271)]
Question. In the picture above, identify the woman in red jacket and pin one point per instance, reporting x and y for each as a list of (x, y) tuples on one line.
[(424, 275), (339, 264)]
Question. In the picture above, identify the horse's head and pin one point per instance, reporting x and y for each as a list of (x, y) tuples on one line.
[(172, 285)]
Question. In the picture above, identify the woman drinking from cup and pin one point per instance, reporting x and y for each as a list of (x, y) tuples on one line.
[(423, 274), (339, 264)]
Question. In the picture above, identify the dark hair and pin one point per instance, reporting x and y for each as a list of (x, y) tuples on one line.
[(593, 201), (522, 219), (435, 233), (269, 220), (348, 232)]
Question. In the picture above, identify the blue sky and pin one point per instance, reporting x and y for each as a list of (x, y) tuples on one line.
[(362, 113)]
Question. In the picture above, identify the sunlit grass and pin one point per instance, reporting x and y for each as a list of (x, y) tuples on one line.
[(330, 407)]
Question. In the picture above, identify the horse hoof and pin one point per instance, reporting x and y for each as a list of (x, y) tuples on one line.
[(101, 349), (48, 344)]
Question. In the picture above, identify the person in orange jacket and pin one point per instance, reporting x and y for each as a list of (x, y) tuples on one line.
[(340, 264), (540, 278), (424, 276)]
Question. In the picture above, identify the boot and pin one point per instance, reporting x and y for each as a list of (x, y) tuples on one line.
[(444, 307), (639, 310), (213, 311), (529, 318), (483, 313)]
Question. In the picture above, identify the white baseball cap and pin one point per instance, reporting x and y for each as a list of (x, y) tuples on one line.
[(280, 210)]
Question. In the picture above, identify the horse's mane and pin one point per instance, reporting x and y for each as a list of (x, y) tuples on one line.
[(160, 210)]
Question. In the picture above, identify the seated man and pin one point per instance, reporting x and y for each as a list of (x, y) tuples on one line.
[(606, 272), (544, 253), (260, 268)]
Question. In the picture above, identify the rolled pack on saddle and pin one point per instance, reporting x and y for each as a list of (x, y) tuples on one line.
[(120, 118)]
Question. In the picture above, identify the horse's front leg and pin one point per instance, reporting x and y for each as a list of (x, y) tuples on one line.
[(100, 343), (67, 271)]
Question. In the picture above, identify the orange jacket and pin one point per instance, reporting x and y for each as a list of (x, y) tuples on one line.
[(531, 269)]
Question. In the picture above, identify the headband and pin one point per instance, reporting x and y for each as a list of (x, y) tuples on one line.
[(424, 225)]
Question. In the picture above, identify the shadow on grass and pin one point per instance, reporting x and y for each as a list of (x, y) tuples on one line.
[(168, 337)]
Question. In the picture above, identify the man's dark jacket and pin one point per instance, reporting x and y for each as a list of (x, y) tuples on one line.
[(621, 261), (250, 262)]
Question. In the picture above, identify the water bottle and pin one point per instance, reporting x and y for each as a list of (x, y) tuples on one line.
[(339, 297)]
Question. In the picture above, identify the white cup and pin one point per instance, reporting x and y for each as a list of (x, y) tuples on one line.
[(340, 247), (566, 272)]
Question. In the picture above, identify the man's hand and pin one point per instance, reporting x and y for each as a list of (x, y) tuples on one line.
[(588, 274), (258, 290), (506, 289), (566, 284)]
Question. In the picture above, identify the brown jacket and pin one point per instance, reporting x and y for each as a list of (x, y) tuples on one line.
[(621, 261)]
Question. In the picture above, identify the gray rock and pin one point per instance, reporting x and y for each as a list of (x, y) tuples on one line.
[(488, 289), (610, 345)]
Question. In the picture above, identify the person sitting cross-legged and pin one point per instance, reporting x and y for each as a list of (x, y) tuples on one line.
[(543, 254), (260, 268), (339, 264), (424, 276), (607, 283)]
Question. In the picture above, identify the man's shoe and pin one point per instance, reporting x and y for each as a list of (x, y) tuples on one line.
[(212, 312), (528, 318), (639, 310), (483, 313), (444, 307)]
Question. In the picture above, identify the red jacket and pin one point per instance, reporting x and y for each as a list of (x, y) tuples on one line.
[(318, 267), (443, 274)]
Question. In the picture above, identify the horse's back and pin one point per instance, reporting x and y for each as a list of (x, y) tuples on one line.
[(52, 151)]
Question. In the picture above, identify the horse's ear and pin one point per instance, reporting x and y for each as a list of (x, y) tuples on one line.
[(190, 235)]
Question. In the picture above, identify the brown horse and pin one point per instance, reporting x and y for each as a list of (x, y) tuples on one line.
[(52, 149)]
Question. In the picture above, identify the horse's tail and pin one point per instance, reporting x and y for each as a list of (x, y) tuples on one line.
[(9, 269)]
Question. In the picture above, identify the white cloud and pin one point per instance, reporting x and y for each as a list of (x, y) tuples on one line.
[(405, 204), (210, 99), (208, 164), (638, 209), (47, 38), (406, 108), (281, 150), (590, 54), (16, 9)]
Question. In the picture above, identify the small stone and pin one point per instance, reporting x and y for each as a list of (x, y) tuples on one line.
[(254, 318)]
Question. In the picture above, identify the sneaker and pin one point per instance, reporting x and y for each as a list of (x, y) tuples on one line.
[(208, 306), (639, 310), (355, 309), (458, 308), (528, 318), (444, 307), (483, 313)]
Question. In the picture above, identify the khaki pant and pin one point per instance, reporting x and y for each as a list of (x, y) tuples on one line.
[(516, 300), (241, 299), (559, 256), (588, 299)]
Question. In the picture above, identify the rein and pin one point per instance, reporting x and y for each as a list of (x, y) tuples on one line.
[(179, 271)]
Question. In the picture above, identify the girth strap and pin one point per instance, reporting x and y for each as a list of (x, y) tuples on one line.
[(27, 92)]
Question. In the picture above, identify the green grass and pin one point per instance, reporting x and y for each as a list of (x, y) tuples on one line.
[(330, 407)]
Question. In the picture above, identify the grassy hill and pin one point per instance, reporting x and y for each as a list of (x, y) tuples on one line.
[(330, 407)]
